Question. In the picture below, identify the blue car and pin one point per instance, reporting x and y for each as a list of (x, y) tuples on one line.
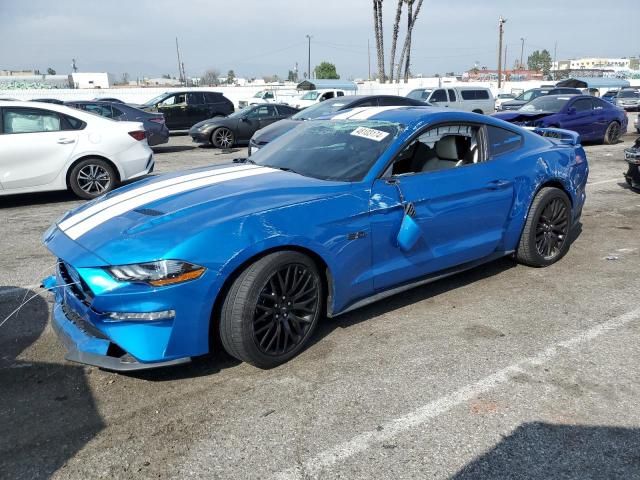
[(592, 118), (333, 215)]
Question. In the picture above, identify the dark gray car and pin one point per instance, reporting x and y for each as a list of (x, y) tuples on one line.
[(534, 93), (265, 135), (154, 124)]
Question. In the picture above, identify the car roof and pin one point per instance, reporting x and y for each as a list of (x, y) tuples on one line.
[(54, 107)]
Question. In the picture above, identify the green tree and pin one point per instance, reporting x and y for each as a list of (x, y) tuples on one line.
[(231, 77), (51, 71), (292, 76), (540, 61), (326, 71)]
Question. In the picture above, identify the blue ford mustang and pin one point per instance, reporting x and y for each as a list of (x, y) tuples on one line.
[(591, 117), (331, 216)]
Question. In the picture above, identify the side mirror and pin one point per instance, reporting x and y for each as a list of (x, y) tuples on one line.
[(571, 111)]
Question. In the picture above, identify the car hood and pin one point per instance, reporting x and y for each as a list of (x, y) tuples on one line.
[(164, 216), (273, 131), (513, 103), (215, 122)]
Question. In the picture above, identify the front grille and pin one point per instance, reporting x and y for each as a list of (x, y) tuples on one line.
[(81, 323), (75, 283)]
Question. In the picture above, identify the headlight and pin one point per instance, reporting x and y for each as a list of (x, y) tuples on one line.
[(158, 274)]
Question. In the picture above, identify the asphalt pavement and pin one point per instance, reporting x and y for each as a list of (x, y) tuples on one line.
[(502, 372)]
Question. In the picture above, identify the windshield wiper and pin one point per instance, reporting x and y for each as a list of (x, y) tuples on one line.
[(285, 169)]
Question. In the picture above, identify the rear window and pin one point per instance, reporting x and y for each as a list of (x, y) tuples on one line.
[(474, 94), (502, 140), (195, 98), (629, 94), (212, 97)]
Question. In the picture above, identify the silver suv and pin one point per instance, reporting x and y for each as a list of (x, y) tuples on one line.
[(628, 99)]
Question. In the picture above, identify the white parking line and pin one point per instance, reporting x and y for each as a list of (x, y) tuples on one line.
[(313, 467), (605, 181)]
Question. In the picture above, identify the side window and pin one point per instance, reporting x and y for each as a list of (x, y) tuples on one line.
[(167, 102), (452, 95), (261, 111), (326, 96), (72, 123), (467, 95), (271, 111), (102, 110), (117, 113), (582, 105), (502, 141), (368, 103), (211, 97), (26, 120), (340, 94), (440, 148), (482, 95), (194, 98), (598, 104), (439, 96), (268, 95)]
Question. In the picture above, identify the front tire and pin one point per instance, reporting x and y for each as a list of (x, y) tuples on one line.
[(272, 309), (222, 138), (545, 237), (91, 178), (612, 134)]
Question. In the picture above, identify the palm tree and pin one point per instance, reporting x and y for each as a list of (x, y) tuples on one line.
[(406, 49), (377, 21), (394, 39)]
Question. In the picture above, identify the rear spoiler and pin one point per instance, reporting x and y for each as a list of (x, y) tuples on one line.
[(566, 137)]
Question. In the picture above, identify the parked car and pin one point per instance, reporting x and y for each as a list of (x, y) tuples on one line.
[(154, 124), (265, 135), (107, 99), (184, 109), (315, 96), (237, 128), (337, 214), (610, 96), (526, 97), (628, 99), (55, 147), (48, 100), (632, 156), (591, 117), (469, 99), (636, 123), (503, 97)]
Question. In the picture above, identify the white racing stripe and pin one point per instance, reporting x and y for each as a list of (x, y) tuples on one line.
[(120, 208), (98, 207)]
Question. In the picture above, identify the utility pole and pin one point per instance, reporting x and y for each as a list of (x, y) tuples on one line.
[(181, 77), (369, 59), (309, 57), (521, 53), (501, 23), (555, 58), (506, 65)]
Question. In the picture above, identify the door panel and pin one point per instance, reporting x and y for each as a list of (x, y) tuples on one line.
[(582, 120), (461, 213)]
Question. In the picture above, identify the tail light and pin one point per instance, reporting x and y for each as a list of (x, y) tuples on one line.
[(138, 135), (159, 120)]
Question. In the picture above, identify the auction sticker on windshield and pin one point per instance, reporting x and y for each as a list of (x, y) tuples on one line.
[(370, 133)]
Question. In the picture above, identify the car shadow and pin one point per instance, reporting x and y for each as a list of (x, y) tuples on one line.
[(159, 149), (27, 199), (539, 450), (47, 410)]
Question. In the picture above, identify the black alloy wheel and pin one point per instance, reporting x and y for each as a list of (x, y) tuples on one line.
[(271, 309), (552, 229), (285, 310), (612, 134), (222, 138)]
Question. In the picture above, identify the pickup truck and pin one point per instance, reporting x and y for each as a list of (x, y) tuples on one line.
[(315, 96), (270, 96)]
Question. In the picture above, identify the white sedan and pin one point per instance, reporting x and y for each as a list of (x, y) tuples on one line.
[(53, 147)]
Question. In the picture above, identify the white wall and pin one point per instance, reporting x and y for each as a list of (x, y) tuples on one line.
[(237, 93)]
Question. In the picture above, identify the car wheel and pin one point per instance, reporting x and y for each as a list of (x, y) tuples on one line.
[(544, 238), (222, 138), (91, 178), (272, 309), (612, 134)]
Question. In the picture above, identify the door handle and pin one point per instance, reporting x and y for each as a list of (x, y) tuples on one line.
[(65, 141), (498, 184)]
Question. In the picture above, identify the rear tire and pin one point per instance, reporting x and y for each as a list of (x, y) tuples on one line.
[(272, 309), (92, 177), (612, 134), (545, 236)]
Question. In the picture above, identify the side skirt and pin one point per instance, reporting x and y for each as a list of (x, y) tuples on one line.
[(421, 281)]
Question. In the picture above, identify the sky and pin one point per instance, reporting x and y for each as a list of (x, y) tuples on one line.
[(258, 37)]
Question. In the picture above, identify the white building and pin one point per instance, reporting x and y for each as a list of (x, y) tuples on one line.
[(593, 63), (91, 80)]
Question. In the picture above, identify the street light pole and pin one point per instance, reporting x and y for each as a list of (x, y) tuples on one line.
[(309, 57), (521, 53), (501, 23)]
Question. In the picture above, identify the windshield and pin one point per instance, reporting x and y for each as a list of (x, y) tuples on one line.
[(342, 150), (506, 95), (312, 95), (324, 108), (531, 94), (241, 112), (155, 100), (545, 104), (419, 94), (629, 94), (259, 94)]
